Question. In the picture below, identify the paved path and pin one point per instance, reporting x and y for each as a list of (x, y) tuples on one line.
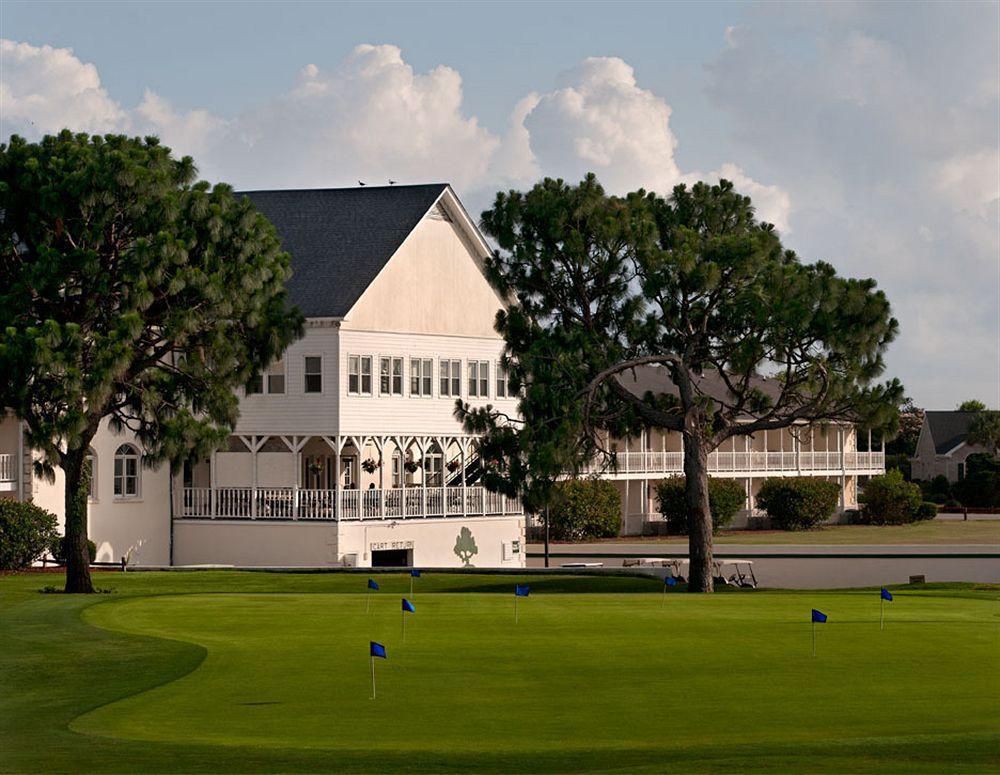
[(813, 566)]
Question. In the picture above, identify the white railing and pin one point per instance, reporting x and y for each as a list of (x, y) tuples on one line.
[(8, 471), (743, 462), (288, 503)]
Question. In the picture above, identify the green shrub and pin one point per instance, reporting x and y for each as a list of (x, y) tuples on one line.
[(798, 502), (889, 500), (927, 510), (585, 509), (725, 498), (981, 485), (57, 548), (25, 533)]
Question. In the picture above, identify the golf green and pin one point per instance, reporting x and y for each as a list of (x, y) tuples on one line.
[(586, 680)]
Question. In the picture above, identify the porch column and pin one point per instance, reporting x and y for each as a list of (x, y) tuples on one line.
[(797, 449), (379, 442), (212, 475), (464, 447), (336, 444)]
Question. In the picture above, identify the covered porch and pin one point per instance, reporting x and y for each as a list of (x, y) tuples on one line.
[(351, 477)]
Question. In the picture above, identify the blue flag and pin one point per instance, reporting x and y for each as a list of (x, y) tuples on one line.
[(408, 606), (415, 573), (670, 581), (522, 590), (377, 650), (818, 616), (372, 584), (886, 594)]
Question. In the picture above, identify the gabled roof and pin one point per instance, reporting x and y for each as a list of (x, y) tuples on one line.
[(656, 380), (340, 238), (948, 429)]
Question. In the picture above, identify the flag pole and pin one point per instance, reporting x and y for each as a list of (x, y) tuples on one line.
[(814, 637), (368, 601), (881, 611), (402, 622), (373, 676), (515, 607), (663, 596)]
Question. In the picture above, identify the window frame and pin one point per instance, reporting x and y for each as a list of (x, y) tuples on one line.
[(306, 374), (479, 386), (391, 376), (423, 377), (92, 456), (134, 456), (454, 378)]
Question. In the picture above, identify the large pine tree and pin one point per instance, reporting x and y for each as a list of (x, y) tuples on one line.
[(132, 293)]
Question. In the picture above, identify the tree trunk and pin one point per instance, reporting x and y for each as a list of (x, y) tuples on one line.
[(77, 554), (699, 514)]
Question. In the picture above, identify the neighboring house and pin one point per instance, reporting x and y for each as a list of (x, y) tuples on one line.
[(942, 448), (347, 451)]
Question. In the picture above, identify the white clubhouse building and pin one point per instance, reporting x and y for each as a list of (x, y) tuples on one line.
[(347, 451)]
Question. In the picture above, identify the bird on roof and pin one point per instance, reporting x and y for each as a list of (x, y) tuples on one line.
[(361, 182), (392, 182)]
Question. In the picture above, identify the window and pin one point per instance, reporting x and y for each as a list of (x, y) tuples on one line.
[(359, 375), (127, 472), (273, 382), (479, 379), (421, 376), (347, 472), (276, 378), (391, 376), (434, 469), (451, 378), (90, 460), (397, 469), (314, 374), (503, 382)]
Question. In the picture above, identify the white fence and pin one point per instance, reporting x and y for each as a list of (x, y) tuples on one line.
[(749, 462), (288, 503)]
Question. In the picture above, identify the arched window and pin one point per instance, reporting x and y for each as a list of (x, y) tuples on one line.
[(90, 460), (126, 472)]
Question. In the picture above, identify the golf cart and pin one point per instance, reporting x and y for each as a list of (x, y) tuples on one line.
[(734, 573)]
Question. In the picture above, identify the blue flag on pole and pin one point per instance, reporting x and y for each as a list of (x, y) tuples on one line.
[(818, 616), (377, 650), (408, 606), (670, 581), (522, 590), (415, 573), (886, 594), (372, 584)]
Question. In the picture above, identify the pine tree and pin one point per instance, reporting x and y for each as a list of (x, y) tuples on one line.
[(130, 293)]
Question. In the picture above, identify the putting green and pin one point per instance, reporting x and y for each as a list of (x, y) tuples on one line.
[(593, 677)]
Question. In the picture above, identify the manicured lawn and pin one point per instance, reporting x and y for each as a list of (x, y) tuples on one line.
[(230, 671), (930, 532)]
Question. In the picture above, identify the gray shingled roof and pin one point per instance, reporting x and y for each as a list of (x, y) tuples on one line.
[(948, 429), (340, 238)]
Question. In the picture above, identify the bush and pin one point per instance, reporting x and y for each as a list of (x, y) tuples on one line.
[(927, 510), (981, 485), (57, 548), (25, 533), (889, 500), (725, 498), (798, 502), (584, 509)]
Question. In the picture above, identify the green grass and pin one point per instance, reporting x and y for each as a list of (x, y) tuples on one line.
[(231, 671), (929, 532)]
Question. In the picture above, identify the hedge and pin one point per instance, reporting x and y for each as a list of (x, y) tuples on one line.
[(26, 531), (58, 549), (890, 500), (584, 509), (798, 502), (725, 498)]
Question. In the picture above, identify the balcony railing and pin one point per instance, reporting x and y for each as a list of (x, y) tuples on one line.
[(8, 471), (743, 462), (349, 505)]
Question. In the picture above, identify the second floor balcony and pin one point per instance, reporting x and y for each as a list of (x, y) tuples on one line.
[(644, 464)]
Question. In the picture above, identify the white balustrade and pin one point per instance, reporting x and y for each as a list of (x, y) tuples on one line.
[(754, 462), (272, 503)]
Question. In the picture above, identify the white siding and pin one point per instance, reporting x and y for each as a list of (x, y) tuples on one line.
[(295, 411)]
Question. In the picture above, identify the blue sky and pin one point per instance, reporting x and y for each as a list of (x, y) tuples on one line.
[(867, 133)]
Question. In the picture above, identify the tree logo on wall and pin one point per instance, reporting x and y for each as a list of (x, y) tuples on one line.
[(465, 547)]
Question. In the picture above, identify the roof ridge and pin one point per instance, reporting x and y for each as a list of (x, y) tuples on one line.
[(394, 187)]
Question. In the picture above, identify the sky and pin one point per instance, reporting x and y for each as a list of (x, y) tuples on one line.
[(869, 134)]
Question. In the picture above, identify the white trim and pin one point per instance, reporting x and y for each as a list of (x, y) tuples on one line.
[(322, 377)]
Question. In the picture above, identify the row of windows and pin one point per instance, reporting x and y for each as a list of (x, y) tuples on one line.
[(126, 468), (391, 378), (421, 377)]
